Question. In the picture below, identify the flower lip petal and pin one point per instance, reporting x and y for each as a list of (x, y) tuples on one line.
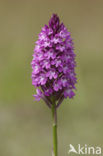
[(39, 92), (39, 95), (48, 92), (68, 93), (37, 98)]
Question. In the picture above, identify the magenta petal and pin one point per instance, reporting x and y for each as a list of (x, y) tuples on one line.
[(37, 98)]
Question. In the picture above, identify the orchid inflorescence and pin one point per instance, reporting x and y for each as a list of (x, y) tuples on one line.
[(53, 64)]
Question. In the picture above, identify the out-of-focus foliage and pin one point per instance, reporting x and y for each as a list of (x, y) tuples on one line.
[(25, 125)]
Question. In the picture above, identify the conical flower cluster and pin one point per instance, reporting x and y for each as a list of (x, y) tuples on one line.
[(53, 63)]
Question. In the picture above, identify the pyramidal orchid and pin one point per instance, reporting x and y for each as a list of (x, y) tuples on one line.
[(53, 68)]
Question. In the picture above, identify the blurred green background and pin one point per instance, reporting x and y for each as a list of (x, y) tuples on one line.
[(25, 125)]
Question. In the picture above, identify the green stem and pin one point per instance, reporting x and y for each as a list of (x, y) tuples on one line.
[(54, 117)]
